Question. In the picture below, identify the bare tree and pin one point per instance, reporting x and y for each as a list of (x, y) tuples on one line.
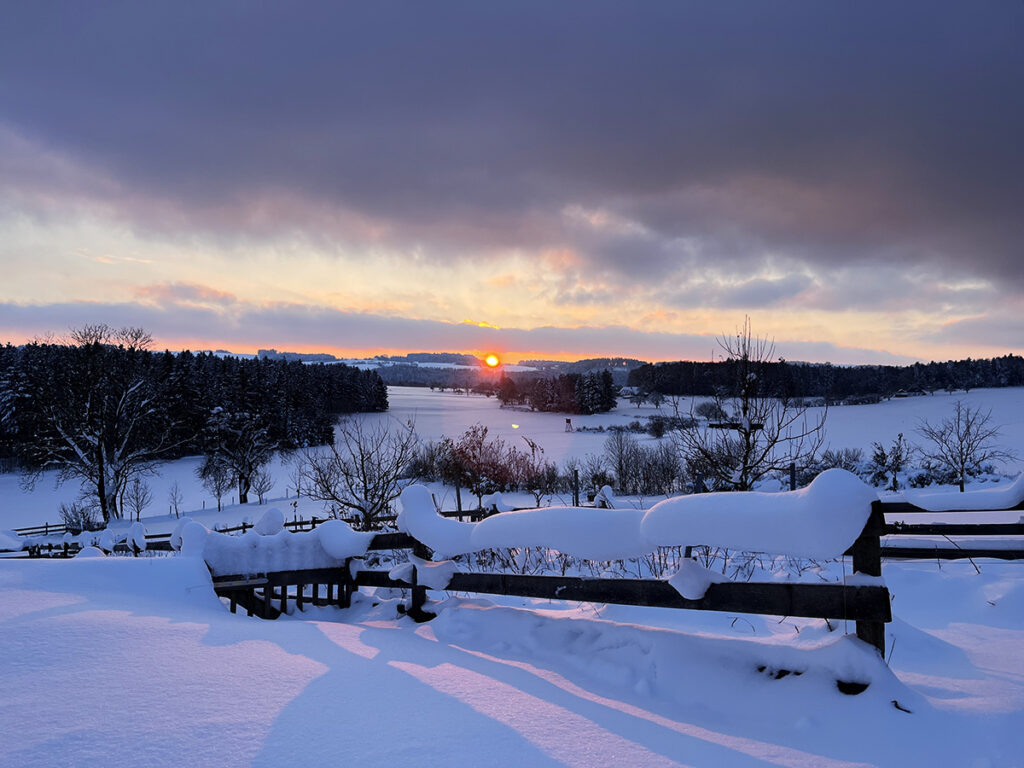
[(217, 479), (535, 473), (362, 471), (963, 442), (262, 484), (241, 443), (104, 425), (138, 496), (175, 497), (763, 431)]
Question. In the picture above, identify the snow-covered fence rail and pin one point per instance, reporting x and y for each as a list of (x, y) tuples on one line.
[(916, 544)]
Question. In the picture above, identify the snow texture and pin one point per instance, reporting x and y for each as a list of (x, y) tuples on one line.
[(693, 579), (1003, 496), (820, 521), (87, 552)]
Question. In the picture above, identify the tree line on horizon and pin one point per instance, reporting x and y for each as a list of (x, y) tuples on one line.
[(832, 383)]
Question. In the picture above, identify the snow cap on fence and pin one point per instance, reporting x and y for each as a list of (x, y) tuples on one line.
[(587, 532), (418, 517), (176, 533), (819, 521), (137, 536), (1002, 496), (341, 542), (494, 501), (193, 537), (271, 523)]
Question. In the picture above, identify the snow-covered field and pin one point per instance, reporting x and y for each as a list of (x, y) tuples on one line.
[(136, 662)]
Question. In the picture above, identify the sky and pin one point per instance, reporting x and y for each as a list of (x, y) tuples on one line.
[(542, 180)]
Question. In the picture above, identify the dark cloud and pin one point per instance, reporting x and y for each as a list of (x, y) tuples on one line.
[(174, 317), (832, 133)]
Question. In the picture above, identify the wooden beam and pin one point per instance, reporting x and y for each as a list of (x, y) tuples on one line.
[(832, 601)]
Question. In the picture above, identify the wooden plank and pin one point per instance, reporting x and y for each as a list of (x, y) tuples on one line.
[(867, 559), (954, 529), (394, 540), (833, 601), (903, 507), (948, 552), (227, 584)]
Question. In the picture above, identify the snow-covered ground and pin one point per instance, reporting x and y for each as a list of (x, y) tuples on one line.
[(136, 662)]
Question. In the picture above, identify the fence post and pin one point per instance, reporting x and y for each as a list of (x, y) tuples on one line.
[(792, 475), (575, 487), (867, 559)]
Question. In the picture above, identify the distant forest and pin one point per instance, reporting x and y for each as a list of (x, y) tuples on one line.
[(56, 396), (833, 383), (584, 393)]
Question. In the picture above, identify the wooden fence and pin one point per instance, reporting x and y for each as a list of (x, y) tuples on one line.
[(868, 606)]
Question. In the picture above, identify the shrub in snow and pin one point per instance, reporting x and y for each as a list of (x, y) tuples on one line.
[(605, 498)]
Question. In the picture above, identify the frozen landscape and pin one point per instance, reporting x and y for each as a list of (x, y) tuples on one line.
[(151, 667)]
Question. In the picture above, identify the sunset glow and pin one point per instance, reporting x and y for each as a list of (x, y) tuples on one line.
[(493, 206), (492, 361)]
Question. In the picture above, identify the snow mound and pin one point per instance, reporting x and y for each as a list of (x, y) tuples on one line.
[(271, 523), (819, 521), (1003, 496), (693, 579), (88, 552), (10, 541)]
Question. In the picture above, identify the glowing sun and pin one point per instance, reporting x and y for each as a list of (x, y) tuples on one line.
[(492, 361)]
